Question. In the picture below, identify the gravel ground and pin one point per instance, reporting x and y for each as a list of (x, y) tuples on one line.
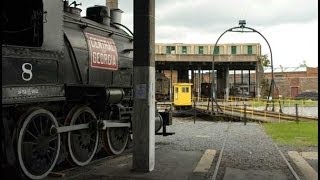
[(247, 147)]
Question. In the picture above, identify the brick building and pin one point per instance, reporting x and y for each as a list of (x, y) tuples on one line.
[(291, 81)]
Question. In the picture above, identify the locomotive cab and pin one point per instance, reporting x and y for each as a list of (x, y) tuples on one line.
[(29, 30)]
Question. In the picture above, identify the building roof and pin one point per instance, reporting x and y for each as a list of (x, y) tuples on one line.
[(285, 69)]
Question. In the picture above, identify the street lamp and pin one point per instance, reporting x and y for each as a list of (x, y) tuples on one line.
[(242, 23), (243, 28)]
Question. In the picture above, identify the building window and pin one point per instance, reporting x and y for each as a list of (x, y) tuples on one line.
[(170, 49), (233, 49), (216, 50), (249, 49), (184, 49), (200, 49)]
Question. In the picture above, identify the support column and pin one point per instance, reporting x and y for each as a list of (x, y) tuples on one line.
[(227, 84), (257, 74), (249, 82), (170, 91), (234, 78), (193, 81), (143, 121), (183, 75), (199, 84), (241, 82), (223, 83), (220, 83)]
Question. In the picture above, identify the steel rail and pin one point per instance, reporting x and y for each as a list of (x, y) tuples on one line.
[(285, 159), (215, 173)]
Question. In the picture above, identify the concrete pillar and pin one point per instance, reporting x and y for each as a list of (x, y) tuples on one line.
[(241, 90), (170, 91), (183, 75), (220, 83), (193, 80), (199, 84), (249, 82), (227, 83), (143, 120), (257, 74), (223, 83)]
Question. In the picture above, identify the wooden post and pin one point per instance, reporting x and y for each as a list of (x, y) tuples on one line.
[(245, 114), (143, 123), (297, 114)]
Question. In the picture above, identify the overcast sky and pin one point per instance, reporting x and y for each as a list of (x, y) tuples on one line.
[(290, 26)]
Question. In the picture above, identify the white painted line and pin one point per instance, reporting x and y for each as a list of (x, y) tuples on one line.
[(303, 165), (205, 161), (310, 155)]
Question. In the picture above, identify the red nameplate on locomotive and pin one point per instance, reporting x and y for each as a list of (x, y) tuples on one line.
[(103, 52)]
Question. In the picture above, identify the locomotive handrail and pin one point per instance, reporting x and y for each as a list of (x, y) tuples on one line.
[(81, 23), (123, 27)]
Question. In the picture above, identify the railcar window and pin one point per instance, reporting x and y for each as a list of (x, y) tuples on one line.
[(22, 23), (185, 89)]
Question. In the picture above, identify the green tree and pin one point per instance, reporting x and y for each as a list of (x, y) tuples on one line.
[(264, 82), (265, 86), (264, 60), (303, 64)]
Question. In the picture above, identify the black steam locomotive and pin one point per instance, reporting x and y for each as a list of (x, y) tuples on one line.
[(66, 85)]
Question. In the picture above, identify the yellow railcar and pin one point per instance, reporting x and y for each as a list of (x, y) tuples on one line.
[(182, 95)]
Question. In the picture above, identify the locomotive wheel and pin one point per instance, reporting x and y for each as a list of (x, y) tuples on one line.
[(37, 148), (82, 144), (115, 140)]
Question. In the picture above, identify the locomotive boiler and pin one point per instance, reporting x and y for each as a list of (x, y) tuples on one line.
[(66, 85)]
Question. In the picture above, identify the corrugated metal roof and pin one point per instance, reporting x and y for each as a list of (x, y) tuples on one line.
[(285, 69)]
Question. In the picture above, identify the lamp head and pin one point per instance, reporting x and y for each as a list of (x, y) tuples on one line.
[(242, 23)]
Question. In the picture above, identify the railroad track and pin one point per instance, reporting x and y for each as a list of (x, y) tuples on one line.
[(217, 166), (68, 171), (261, 113)]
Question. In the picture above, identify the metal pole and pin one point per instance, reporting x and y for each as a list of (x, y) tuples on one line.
[(242, 27)]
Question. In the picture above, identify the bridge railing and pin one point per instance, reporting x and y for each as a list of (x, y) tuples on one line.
[(252, 106)]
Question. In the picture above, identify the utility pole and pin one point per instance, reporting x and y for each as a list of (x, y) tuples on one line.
[(143, 124)]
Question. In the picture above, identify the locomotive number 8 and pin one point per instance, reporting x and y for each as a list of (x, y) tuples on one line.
[(27, 71)]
